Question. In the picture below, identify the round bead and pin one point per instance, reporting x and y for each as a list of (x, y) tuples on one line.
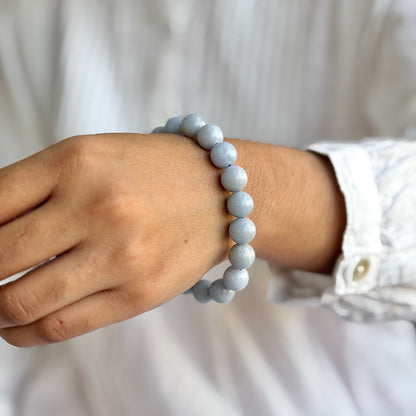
[(242, 256), (201, 291), (234, 178), (158, 130), (223, 154), (191, 124), (209, 135), (219, 292), (242, 230), (235, 279), (173, 125), (240, 204)]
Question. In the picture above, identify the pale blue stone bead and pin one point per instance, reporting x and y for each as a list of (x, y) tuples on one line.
[(234, 178), (158, 130), (240, 204), (201, 291), (235, 279), (191, 124), (242, 230), (223, 154), (209, 135), (173, 125), (219, 292), (242, 256)]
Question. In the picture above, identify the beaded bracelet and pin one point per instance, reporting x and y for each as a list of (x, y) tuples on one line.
[(240, 204)]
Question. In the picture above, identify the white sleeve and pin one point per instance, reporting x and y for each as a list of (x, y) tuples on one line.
[(375, 278)]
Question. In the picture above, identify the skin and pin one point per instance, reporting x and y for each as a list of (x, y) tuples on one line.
[(129, 221)]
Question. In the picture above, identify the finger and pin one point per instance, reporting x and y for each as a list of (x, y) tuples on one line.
[(86, 315), (37, 236), (52, 286), (26, 184)]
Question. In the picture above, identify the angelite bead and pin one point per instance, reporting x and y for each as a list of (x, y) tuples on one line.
[(234, 178), (242, 230), (241, 256), (208, 136), (240, 204), (201, 291), (191, 124), (158, 130), (235, 279), (173, 125), (219, 292), (223, 154)]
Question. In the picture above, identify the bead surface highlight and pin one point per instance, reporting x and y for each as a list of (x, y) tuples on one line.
[(242, 256), (240, 204), (234, 178), (235, 279), (242, 230), (208, 136), (191, 124), (223, 155), (219, 292)]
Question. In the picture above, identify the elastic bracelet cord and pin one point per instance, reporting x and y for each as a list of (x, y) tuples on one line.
[(239, 204)]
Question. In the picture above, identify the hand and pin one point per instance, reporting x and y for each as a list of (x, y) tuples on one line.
[(125, 222)]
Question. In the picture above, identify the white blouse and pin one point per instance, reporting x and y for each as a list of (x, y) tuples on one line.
[(336, 77)]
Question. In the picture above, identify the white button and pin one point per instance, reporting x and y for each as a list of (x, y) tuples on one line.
[(361, 269)]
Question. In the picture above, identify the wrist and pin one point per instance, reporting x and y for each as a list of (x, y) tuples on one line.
[(299, 209)]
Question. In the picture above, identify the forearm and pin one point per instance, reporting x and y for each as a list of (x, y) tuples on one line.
[(299, 210)]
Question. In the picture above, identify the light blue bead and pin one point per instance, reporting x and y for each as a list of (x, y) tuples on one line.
[(242, 230), (219, 292), (173, 125), (240, 204), (201, 291), (234, 178), (242, 256), (209, 135), (158, 130), (191, 124), (235, 279), (223, 154)]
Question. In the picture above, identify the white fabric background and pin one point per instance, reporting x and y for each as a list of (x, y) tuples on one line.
[(284, 72)]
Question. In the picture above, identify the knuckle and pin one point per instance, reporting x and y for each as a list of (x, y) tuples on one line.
[(60, 289), (128, 252), (114, 205), (118, 204), (93, 262), (16, 310), (79, 152), (52, 329)]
